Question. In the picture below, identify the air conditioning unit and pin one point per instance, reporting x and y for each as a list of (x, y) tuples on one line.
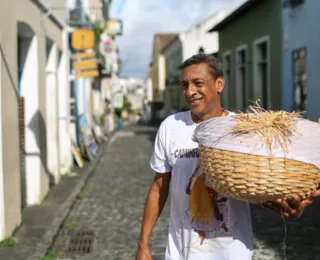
[(292, 3)]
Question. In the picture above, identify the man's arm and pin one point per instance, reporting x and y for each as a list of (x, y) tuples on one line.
[(155, 202)]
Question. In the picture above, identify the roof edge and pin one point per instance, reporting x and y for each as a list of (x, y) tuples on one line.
[(245, 7), (56, 19)]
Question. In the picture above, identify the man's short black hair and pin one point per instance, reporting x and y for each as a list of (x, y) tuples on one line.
[(214, 64)]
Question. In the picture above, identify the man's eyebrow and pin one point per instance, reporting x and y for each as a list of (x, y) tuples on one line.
[(183, 82)]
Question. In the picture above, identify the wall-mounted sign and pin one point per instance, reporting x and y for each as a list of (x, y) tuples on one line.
[(89, 73), (85, 64), (114, 27), (82, 39), (83, 55), (117, 100), (106, 46)]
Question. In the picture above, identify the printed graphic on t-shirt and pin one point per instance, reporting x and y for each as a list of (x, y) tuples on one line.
[(220, 224), (186, 153)]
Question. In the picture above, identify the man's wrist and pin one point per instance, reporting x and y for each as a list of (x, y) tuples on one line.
[(143, 243)]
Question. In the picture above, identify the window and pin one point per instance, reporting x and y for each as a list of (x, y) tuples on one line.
[(261, 72), (227, 71), (242, 78), (299, 60)]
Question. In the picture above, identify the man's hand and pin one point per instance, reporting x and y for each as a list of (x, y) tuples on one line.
[(293, 207), (143, 252)]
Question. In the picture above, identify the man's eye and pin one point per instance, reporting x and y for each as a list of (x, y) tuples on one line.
[(199, 83)]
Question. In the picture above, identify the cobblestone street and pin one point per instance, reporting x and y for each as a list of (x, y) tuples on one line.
[(111, 205)]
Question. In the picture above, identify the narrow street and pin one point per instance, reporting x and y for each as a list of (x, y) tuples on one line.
[(112, 202), (110, 209)]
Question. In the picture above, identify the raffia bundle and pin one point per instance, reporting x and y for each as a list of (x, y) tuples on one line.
[(260, 156), (274, 128)]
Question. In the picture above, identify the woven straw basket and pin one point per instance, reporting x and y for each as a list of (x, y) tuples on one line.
[(286, 165), (256, 178)]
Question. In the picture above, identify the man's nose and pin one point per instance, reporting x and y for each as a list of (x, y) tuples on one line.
[(191, 90)]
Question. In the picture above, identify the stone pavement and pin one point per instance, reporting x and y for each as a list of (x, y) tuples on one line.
[(112, 202), (111, 206), (40, 223)]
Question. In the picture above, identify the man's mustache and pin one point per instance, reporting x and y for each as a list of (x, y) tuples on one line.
[(194, 98)]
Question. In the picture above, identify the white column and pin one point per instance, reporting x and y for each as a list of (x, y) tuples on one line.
[(30, 90), (72, 119), (64, 112), (149, 89), (52, 115), (80, 91), (2, 213), (97, 99), (162, 75), (88, 98)]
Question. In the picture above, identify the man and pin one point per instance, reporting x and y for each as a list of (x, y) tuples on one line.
[(228, 235)]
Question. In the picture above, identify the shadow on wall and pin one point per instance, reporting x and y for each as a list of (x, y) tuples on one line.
[(6, 65), (38, 127)]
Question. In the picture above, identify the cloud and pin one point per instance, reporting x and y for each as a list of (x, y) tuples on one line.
[(143, 18)]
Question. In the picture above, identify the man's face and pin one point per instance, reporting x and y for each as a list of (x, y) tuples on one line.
[(200, 89)]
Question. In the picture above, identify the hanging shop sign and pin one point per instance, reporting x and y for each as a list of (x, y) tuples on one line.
[(114, 27), (88, 73), (117, 100), (82, 39), (85, 64), (106, 45), (84, 55)]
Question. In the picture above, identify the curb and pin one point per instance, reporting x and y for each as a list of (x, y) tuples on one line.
[(50, 235)]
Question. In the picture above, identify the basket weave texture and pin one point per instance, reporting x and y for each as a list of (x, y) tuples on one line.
[(256, 178)]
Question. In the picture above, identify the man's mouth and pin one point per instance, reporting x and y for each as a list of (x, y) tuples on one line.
[(195, 102)]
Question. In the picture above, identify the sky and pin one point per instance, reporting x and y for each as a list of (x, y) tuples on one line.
[(143, 18)]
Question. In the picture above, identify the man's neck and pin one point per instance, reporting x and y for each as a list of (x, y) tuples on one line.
[(215, 113)]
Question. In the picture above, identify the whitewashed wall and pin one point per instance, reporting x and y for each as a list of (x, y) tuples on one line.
[(197, 36)]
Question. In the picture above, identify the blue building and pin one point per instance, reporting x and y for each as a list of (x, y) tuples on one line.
[(301, 56)]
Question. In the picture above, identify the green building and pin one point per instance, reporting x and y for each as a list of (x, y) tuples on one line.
[(173, 54), (250, 49)]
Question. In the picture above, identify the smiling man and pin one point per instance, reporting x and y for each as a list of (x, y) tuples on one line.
[(228, 234)]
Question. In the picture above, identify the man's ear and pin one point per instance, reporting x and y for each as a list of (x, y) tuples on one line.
[(220, 84)]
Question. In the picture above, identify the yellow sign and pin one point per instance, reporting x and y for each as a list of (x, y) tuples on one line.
[(82, 39), (85, 64), (89, 73), (83, 55)]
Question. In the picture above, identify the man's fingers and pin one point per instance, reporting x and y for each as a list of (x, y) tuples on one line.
[(276, 207), (291, 207), (315, 194), (285, 207), (294, 202)]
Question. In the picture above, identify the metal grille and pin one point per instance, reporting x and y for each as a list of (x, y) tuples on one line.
[(81, 242)]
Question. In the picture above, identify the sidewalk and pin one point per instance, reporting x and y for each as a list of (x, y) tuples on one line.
[(41, 223)]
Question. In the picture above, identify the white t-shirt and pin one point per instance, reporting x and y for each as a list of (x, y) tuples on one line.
[(229, 236)]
